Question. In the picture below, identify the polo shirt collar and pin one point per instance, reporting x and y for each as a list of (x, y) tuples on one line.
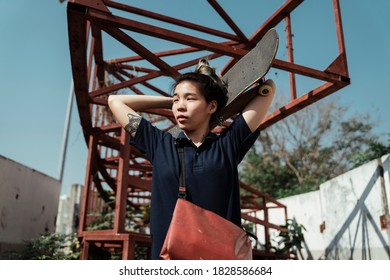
[(182, 137)]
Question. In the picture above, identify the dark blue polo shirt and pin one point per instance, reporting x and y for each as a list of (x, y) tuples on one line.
[(211, 173)]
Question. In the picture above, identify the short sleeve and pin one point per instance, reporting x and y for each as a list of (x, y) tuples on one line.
[(147, 138), (241, 138)]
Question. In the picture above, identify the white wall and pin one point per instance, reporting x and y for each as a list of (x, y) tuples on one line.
[(349, 207), (306, 210), (28, 203)]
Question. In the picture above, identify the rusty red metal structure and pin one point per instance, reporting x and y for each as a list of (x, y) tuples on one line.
[(118, 178)]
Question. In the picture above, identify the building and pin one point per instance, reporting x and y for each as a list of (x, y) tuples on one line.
[(69, 210), (28, 204)]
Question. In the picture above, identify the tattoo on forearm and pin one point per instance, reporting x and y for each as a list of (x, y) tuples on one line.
[(133, 124)]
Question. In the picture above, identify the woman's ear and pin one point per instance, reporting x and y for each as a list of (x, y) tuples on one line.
[(213, 105)]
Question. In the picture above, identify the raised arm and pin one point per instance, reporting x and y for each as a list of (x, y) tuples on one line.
[(257, 108), (125, 108)]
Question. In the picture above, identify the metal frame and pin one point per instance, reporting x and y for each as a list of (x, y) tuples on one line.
[(117, 175)]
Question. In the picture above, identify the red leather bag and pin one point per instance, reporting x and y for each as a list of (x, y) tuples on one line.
[(198, 234)]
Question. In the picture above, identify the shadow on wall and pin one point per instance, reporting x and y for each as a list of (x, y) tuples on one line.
[(356, 215)]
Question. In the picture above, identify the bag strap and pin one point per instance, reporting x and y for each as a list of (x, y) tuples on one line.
[(182, 183)]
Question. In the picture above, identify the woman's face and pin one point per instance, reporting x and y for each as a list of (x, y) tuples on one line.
[(190, 108)]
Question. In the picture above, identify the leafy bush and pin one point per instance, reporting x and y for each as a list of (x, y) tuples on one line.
[(50, 246)]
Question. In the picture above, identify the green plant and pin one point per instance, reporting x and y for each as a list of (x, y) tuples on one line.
[(50, 246), (290, 240)]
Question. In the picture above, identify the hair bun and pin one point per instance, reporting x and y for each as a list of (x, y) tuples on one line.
[(205, 69)]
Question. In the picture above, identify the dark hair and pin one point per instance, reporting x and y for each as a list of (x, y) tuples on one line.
[(210, 85)]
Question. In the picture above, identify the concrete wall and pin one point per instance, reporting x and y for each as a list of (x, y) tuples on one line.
[(344, 219), (28, 204)]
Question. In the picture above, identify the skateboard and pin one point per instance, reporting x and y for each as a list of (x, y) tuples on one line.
[(248, 71)]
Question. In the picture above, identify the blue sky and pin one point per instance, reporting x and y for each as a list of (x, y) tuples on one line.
[(35, 72)]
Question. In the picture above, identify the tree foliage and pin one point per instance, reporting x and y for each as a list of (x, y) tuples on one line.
[(374, 150), (308, 148)]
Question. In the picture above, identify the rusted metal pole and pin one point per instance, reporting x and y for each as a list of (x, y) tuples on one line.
[(122, 183), (266, 228), (340, 35), (290, 56), (90, 173)]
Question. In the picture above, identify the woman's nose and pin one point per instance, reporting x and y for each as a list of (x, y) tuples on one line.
[(181, 105)]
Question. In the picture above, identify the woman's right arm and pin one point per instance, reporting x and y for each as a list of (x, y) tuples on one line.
[(125, 108)]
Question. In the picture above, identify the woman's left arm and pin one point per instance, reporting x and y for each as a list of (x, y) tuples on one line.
[(256, 110)]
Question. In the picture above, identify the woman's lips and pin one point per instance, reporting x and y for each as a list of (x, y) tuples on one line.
[(181, 118)]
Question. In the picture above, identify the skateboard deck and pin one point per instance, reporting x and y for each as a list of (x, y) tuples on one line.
[(249, 70)]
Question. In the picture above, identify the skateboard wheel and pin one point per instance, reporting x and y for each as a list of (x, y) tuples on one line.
[(264, 90)]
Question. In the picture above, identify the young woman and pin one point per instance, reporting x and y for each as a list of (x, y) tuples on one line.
[(210, 160)]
